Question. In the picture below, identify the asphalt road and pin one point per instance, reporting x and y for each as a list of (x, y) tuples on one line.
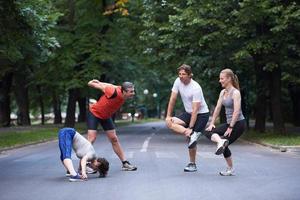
[(35, 172)]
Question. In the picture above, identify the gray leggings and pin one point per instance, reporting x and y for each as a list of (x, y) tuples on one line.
[(237, 131)]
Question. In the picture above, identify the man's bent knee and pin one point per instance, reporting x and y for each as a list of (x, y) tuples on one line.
[(112, 136), (92, 135), (114, 139)]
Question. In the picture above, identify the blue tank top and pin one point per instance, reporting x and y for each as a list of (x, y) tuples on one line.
[(228, 104)]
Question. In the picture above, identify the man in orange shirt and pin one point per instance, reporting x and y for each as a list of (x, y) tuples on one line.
[(102, 111)]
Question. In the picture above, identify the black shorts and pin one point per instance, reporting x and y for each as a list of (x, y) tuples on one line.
[(237, 130), (93, 121), (200, 123)]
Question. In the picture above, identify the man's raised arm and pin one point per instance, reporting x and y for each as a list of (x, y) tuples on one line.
[(98, 85)]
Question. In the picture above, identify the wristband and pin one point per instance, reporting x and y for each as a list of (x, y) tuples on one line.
[(230, 127), (191, 127)]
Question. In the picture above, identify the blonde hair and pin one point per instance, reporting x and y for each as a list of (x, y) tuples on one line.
[(233, 76)]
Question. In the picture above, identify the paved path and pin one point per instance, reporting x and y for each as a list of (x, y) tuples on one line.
[(35, 172)]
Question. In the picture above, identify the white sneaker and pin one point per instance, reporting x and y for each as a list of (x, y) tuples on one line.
[(127, 166), (193, 139), (191, 167), (89, 169), (227, 172), (221, 146)]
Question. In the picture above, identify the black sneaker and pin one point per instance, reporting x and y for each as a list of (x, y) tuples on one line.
[(191, 167), (68, 174), (128, 167)]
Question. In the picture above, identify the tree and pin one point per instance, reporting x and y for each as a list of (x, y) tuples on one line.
[(25, 43)]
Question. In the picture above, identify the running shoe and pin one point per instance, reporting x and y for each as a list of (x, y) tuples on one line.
[(221, 146), (75, 178), (128, 167), (227, 172), (193, 139), (68, 174), (89, 169), (191, 167)]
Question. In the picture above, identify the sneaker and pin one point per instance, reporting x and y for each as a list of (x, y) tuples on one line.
[(90, 170), (68, 174), (221, 146), (193, 139), (75, 178), (227, 172), (191, 167), (128, 167)]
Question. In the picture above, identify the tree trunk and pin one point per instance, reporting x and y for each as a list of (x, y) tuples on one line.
[(21, 93), (41, 102), (294, 91), (261, 97), (82, 109), (5, 86), (275, 94), (56, 108), (71, 108)]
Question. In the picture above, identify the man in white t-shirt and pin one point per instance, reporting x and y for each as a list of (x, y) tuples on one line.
[(193, 121)]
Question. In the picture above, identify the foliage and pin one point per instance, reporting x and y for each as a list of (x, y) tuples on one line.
[(61, 45)]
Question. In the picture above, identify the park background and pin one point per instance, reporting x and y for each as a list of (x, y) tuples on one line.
[(50, 49)]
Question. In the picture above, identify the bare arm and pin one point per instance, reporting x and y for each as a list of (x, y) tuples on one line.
[(236, 107), (98, 85), (195, 107), (216, 112), (83, 161)]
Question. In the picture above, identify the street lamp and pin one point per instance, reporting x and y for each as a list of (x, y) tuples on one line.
[(146, 91)]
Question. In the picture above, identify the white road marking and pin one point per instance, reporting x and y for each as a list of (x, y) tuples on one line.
[(146, 143)]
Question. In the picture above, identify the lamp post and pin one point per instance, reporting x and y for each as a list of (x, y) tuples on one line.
[(146, 92), (155, 96)]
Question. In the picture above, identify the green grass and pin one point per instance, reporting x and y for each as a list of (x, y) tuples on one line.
[(273, 138), (40, 133), (12, 139)]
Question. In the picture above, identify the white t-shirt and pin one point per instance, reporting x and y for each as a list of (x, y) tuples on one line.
[(190, 93)]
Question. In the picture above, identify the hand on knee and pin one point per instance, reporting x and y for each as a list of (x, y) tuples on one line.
[(187, 132), (169, 123)]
